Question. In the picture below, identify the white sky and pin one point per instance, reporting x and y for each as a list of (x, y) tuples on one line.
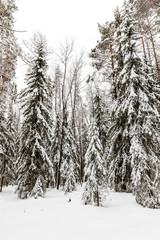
[(59, 19), (64, 19)]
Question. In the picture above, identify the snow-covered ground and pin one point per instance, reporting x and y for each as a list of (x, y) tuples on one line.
[(54, 218)]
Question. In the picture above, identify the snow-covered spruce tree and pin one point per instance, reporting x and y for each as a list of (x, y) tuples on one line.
[(145, 146), (145, 139), (118, 158), (134, 163), (8, 46), (4, 137), (69, 166), (12, 128), (8, 56), (9, 134), (95, 170), (35, 166)]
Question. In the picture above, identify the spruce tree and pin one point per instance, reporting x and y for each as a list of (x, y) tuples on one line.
[(7, 137), (9, 49), (4, 137), (35, 166), (134, 163), (95, 170), (145, 145), (8, 57), (12, 128), (120, 169), (69, 167)]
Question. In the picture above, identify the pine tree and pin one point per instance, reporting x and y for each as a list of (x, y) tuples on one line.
[(147, 14), (35, 167), (95, 170), (134, 163)]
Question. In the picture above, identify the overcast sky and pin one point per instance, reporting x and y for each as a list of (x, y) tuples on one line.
[(59, 19), (64, 19)]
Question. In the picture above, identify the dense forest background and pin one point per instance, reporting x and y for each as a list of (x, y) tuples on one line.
[(63, 129)]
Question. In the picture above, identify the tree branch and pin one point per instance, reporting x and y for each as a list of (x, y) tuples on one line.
[(4, 27), (155, 3)]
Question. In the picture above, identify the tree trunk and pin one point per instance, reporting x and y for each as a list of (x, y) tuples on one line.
[(59, 164), (112, 64), (153, 46), (143, 44), (2, 174), (61, 147), (97, 197), (1, 185)]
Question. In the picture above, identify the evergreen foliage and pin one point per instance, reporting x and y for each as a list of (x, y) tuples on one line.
[(4, 137), (12, 128), (9, 49), (95, 170), (100, 116), (122, 147), (134, 162), (39, 188), (36, 168), (8, 56), (69, 167)]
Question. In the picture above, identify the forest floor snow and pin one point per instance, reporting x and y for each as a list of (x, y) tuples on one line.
[(54, 218)]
